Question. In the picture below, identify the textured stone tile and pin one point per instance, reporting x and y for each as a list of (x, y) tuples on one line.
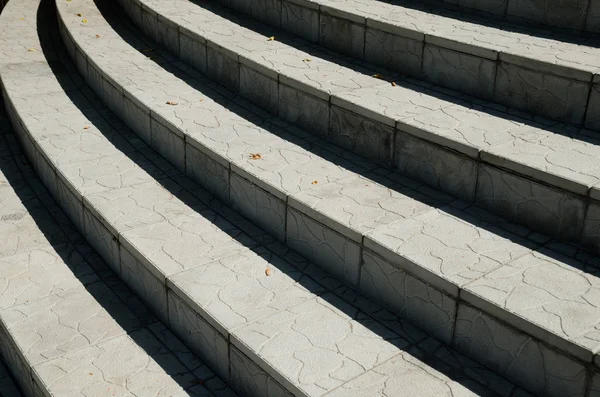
[(66, 321), (235, 291), (251, 380), (304, 110), (462, 72), (507, 351), (393, 52), (221, 68), (555, 296), (361, 135), (299, 20), (196, 333), (447, 247), (183, 242), (42, 272), (206, 171), (129, 365), (565, 157), (566, 14), (169, 144), (592, 119), (412, 299), (437, 167), (152, 291), (357, 205), (259, 89), (258, 206), (541, 93), (192, 50), (313, 360), (402, 376), (102, 240), (140, 205), (335, 253), (529, 203), (342, 35), (591, 227)]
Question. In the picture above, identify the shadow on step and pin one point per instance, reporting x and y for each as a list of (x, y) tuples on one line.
[(413, 345)]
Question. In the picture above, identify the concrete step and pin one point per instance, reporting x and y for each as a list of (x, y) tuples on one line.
[(541, 175), (206, 276), (542, 72), (350, 224)]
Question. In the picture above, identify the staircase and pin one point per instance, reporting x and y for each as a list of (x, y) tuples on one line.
[(317, 198)]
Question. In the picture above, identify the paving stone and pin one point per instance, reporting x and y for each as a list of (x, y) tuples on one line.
[(128, 365), (503, 349), (543, 290), (310, 360), (236, 291)]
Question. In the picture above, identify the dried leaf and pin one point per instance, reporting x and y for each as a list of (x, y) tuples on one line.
[(378, 76), (393, 83), (97, 36), (91, 373), (268, 271), (272, 38), (79, 14), (201, 99), (307, 60), (172, 103), (255, 156), (87, 127), (314, 182)]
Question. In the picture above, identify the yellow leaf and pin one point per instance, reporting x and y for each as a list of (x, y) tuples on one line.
[(255, 156), (172, 103), (268, 271), (21, 19), (84, 20), (272, 38)]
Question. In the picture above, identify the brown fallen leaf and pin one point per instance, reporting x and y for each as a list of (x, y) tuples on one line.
[(314, 182), (307, 60), (272, 38), (268, 271), (172, 103), (201, 99), (255, 156), (31, 50), (79, 14), (91, 373), (378, 76), (97, 36), (87, 127), (393, 83)]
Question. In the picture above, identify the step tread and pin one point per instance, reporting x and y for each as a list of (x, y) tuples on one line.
[(454, 30), (347, 355), (356, 211), (67, 324), (557, 154)]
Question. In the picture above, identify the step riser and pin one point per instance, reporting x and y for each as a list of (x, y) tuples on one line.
[(551, 91), (571, 216), (425, 304)]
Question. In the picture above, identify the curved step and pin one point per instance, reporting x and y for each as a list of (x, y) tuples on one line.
[(206, 275), (204, 123), (476, 153), (546, 73)]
